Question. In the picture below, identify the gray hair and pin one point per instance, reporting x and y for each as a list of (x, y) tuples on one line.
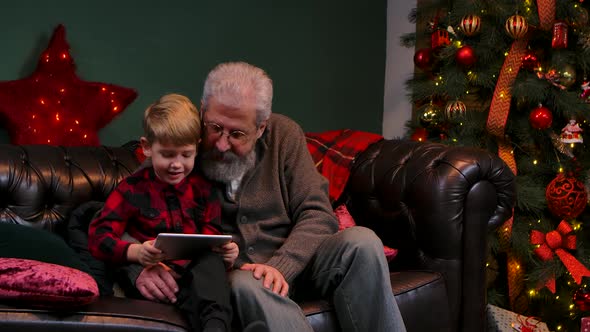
[(229, 82)]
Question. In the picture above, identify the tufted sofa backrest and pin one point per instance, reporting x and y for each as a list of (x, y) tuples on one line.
[(41, 184)]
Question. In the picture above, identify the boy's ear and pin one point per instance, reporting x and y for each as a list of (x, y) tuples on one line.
[(146, 147)]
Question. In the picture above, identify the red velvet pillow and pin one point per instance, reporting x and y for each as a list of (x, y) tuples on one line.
[(39, 284), (345, 221)]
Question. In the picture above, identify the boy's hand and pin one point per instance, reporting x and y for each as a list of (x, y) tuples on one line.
[(229, 252), (146, 254)]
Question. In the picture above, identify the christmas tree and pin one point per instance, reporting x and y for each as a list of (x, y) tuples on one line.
[(512, 77)]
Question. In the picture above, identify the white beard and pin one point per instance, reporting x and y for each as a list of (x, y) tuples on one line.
[(231, 167)]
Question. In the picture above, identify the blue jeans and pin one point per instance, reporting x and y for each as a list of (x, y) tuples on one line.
[(349, 268)]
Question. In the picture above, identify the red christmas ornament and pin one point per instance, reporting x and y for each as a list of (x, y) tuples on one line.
[(559, 39), (566, 197), (465, 56), (516, 26), (541, 117), (54, 106), (419, 135), (581, 299), (470, 25), (423, 58)]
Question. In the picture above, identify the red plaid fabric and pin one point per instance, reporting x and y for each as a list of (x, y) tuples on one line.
[(333, 153)]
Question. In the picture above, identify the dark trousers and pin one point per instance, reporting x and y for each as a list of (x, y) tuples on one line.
[(204, 291)]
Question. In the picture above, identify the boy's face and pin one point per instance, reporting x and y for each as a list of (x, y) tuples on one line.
[(171, 163)]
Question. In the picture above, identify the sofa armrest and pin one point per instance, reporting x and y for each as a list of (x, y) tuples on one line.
[(436, 204)]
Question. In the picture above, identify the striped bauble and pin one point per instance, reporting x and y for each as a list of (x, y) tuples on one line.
[(470, 25), (455, 109), (516, 26)]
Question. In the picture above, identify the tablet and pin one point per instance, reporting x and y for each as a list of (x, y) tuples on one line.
[(186, 246)]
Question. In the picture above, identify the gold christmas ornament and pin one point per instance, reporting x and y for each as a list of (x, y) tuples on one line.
[(516, 26), (430, 116)]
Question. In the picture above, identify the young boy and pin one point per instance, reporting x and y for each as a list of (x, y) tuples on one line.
[(169, 196)]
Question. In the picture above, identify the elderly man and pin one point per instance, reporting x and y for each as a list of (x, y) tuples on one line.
[(276, 206)]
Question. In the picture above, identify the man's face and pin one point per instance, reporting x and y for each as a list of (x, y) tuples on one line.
[(229, 138), (171, 163)]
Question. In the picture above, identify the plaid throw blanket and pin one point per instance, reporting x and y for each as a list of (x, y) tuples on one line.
[(333, 153)]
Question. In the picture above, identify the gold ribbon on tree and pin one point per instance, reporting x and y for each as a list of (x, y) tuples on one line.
[(556, 242), (496, 124)]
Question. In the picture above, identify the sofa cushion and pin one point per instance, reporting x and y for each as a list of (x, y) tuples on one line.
[(39, 284), (345, 221)]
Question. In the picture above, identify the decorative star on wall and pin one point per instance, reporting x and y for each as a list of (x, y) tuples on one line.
[(54, 106)]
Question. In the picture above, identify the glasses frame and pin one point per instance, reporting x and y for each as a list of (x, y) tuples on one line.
[(235, 136)]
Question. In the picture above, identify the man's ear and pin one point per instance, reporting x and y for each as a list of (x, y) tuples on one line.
[(260, 130), (146, 147)]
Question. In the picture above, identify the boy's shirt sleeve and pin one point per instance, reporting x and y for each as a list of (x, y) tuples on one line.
[(106, 230)]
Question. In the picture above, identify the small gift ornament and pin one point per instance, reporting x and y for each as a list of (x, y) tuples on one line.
[(439, 38), (572, 133), (559, 39)]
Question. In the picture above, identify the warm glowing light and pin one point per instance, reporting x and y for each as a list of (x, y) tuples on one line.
[(501, 94), (63, 55), (557, 297), (535, 162), (34, 116), (532, 292), (560, 169), (116, 108), (62, 90), (85, 135), (76, 121), (57, 116), (48, 141), (505, 53), (42, 101), (71, 130), (103, 89)]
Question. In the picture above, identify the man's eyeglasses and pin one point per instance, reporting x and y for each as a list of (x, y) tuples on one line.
[(235, 137)]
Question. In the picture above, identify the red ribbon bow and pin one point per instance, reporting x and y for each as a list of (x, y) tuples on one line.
[(556, 242)]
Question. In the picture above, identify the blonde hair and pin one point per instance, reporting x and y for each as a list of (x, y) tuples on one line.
[(228, 82), (172, 119)]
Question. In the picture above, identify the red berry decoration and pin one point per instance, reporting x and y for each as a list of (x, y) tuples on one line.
[(423, 58), (530, 61), (465, 56), (566, 197), (541, 117)]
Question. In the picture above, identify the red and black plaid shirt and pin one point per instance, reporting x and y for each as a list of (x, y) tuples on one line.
[(143, 206)]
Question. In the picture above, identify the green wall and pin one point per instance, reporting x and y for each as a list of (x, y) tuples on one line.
[(326, 57)]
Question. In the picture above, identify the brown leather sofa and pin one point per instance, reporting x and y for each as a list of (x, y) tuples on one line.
[(436, 204)]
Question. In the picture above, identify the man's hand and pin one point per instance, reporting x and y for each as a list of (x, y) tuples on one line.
[(229, 252), (157, 283), (271, 276)]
